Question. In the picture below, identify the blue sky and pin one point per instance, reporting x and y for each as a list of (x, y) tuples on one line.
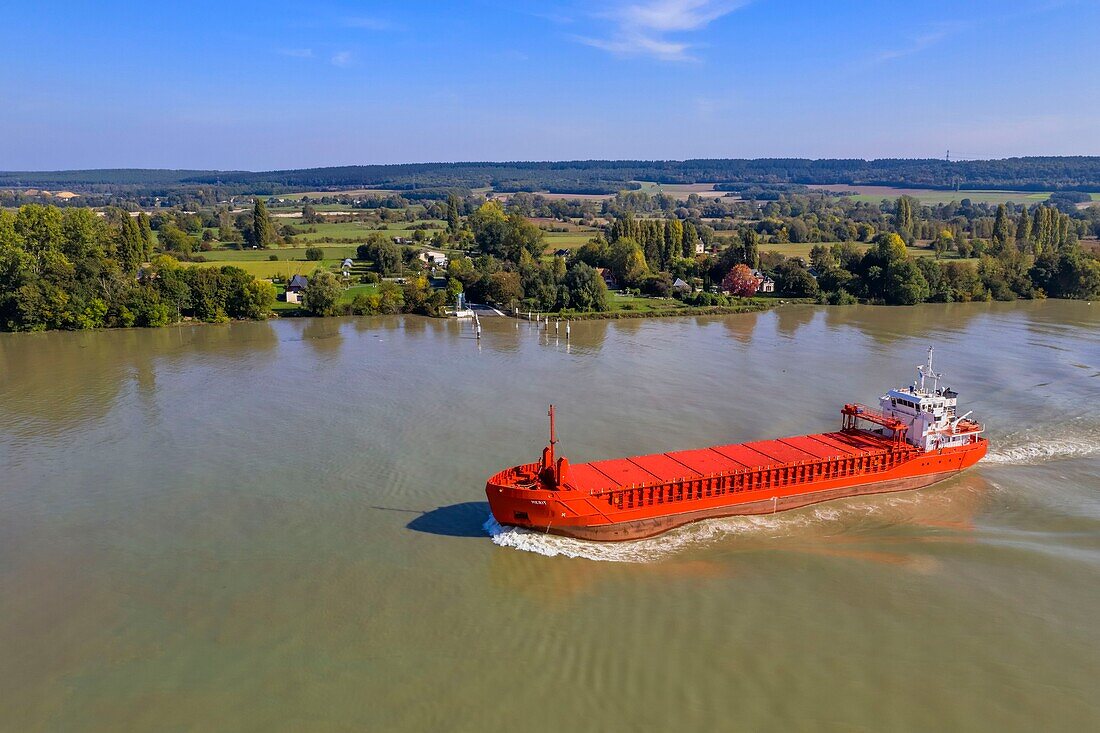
[(294, 84)]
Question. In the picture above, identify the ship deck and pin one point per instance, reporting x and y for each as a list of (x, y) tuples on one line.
[(686, 465)]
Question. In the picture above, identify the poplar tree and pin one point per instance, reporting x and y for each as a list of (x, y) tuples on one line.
[(130, 248), (903, 218), (263, 231), (749, 254), (1023, 227), (691, 236), (674, 239), (147, 239), (454, 220), (1003, 230)]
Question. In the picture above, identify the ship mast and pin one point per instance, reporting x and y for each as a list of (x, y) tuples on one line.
[(926, 372), (553, 435)]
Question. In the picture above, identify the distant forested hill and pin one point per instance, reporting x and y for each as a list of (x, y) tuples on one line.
[(598, 176)]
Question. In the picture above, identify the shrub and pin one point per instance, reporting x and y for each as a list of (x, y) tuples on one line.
[(315, 254), (840, 297), (273, 258)]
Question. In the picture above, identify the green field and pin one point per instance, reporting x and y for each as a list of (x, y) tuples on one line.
[(803, 250), (291, 260), (354, 290), (350, 192), (617, 302), (332, 252), (358, 231), (680, 190), (268, 270), (567, 240)]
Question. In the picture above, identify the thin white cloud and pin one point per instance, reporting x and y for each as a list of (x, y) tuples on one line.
[(649, 27), (297, 53), (341, 58), (921, 42)]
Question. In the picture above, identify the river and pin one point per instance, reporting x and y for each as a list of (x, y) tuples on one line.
[(280, 526)]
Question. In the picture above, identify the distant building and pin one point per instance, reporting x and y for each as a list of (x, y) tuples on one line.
[(608, 278), (561, 253), (681, 286), (764, 283), (434, 257), (700, 247), (295, 287)]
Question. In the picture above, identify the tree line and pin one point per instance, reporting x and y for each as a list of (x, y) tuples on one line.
[(72, 269), (592, 176), (1029, 253)]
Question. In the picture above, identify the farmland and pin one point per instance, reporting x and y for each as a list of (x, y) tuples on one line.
[(680, 190), (875, 194)]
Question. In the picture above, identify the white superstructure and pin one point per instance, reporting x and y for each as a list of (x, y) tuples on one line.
[(929, 412)]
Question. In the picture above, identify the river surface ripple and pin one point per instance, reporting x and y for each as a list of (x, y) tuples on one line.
[(282, 526)]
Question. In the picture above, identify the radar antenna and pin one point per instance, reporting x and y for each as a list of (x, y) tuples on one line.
[(926, 372)]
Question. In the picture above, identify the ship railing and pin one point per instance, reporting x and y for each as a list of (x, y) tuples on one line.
[(853, 412), (524, 476)]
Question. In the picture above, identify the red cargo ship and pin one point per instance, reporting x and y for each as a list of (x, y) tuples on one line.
[(913, 440)]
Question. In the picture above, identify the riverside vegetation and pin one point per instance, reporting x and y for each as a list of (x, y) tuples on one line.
[(73, 268)]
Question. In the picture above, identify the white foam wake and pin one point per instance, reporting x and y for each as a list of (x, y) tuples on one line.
[(660, 547), (1041, 451)]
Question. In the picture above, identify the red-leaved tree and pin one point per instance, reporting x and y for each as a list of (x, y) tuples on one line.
[(740, 281)]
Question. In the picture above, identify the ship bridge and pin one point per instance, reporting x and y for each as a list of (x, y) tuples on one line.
[(929, 412)]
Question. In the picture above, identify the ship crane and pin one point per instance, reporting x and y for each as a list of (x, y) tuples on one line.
[(956, 421)]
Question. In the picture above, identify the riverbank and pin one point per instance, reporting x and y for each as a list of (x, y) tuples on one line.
[(747, 305), (751, 305)]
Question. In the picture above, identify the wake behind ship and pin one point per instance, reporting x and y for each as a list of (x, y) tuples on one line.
[(914, 439)]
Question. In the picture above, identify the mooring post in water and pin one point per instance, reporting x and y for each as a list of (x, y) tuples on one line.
[(567, 330), (478, 331)]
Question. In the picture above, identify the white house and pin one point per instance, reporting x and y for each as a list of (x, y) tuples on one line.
[(764, 283), (434, 257)]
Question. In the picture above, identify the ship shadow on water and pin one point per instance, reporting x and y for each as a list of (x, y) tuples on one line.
[(457, 520)]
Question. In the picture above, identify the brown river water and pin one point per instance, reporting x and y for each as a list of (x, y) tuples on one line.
[(281, 526)]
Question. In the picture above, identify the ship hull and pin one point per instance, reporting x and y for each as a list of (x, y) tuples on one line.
[(610, 512), (649, 527)]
